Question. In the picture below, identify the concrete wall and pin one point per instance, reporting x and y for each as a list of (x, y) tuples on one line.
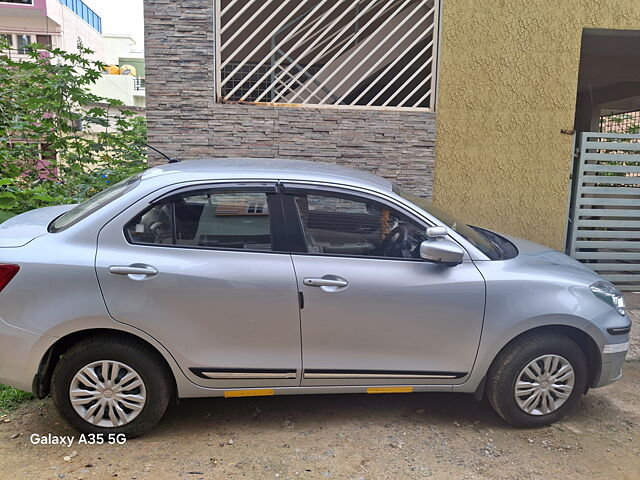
[(116, 46), (34, 23), (119, 87), (508, 84), (74, 28), (184, 120)]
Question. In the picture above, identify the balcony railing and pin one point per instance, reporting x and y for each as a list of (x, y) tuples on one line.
[(139, 84)]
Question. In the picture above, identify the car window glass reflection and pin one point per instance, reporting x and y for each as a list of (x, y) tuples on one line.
[(238, 220), (334, 224)]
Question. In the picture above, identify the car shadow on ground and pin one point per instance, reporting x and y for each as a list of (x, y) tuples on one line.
[(306, 413), (310, 412)]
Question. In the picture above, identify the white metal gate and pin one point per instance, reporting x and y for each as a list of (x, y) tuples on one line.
[(604, 228)]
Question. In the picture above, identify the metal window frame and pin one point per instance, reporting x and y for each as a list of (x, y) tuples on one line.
[(6, 2)]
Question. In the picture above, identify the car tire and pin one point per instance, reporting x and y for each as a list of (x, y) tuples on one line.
[(523, 359), (137, 383)]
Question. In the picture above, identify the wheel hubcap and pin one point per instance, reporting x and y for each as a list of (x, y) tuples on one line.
[(107, 393), (544, 385)]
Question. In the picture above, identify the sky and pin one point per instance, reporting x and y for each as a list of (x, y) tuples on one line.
[(120, 16)]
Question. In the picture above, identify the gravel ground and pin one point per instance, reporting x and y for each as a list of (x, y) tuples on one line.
[(342, 436), (634, 346), (632, 300)]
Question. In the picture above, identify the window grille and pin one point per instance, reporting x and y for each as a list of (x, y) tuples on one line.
[(628, 122), (139, 84), (243, 79), (375, 53)]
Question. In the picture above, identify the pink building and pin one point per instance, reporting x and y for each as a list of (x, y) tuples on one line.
[(60, 23)]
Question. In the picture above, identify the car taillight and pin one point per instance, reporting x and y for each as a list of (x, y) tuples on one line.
[(7, 272)]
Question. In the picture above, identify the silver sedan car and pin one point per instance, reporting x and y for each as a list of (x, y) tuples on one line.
[(240, 277)]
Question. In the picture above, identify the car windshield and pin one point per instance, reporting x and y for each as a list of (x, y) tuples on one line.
[(93, 204), (488, 243)]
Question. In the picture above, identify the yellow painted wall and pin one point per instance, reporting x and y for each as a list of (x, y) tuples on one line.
[(508, 84)]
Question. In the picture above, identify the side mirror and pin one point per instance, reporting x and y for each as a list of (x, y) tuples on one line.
[(438, 249)]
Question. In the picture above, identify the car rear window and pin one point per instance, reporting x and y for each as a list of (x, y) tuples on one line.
[(93, 204), (236, 220)]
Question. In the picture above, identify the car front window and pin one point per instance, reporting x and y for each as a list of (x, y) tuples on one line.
[(486, 244), (336, 224)]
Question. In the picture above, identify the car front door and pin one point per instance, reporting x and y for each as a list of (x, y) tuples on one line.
[(207, 273), (374, 312)]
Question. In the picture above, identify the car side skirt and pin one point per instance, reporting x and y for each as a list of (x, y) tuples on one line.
[(312, 390)]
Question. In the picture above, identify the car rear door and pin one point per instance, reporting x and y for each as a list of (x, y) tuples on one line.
[(374, 312), (206, 272)]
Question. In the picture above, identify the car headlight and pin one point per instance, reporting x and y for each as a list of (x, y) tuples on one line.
[(609, 295)]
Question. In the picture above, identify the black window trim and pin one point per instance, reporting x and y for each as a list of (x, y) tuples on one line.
[(294, 227), (9, 2), (276, 215)]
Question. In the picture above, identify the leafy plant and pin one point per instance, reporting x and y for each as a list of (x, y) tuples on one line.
[(11, 397), (59, 142)]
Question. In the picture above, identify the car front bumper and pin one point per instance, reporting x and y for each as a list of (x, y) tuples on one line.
[(611, 368), (613, 347)]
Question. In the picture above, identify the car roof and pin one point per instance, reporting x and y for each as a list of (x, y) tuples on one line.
[(269, 168)]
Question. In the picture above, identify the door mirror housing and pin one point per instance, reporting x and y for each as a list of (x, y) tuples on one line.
[(439, 249)]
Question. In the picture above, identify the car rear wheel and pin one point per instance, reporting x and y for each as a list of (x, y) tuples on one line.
[(107, 385), (537, 379)]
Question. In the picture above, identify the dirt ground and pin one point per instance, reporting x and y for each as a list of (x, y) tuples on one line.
[(394, 436)]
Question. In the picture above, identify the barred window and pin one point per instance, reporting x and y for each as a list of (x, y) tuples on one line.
[(348, 52)]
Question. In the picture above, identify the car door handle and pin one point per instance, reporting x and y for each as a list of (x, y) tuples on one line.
[(325, 282), (132, 270)]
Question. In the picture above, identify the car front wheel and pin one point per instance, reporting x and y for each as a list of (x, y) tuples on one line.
[(537, 379), (107, 385)]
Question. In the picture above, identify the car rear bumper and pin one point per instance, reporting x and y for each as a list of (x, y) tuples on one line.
[(16, 346)]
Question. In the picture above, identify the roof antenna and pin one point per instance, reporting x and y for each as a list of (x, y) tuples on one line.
[(171, 160)]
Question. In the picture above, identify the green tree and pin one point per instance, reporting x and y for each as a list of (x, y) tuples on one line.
[(60, 143)]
